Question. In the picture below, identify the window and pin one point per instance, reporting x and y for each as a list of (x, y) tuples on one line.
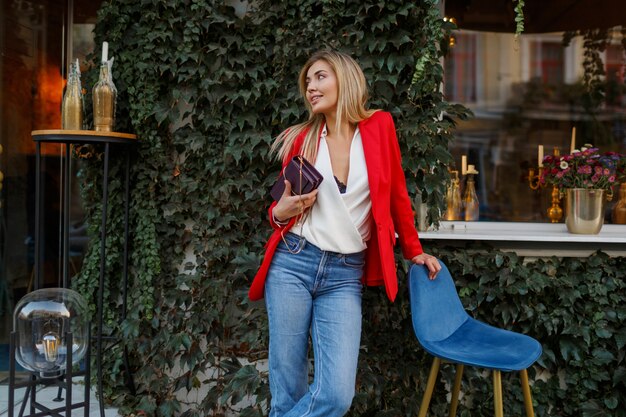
[(35, 39), (460, 69), (614, 63), (524, 93), (546, 62)]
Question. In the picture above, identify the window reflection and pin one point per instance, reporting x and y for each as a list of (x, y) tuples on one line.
[(527, 92), (35, 37)]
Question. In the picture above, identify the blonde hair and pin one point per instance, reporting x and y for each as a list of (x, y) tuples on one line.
[(351, 99)]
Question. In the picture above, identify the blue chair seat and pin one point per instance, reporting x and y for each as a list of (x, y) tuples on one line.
[(479, 344), (446, 331)]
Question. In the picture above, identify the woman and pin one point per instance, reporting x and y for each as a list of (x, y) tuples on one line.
[(329, 243)]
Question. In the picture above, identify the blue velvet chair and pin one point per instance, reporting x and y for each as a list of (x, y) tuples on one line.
[(446, 331)]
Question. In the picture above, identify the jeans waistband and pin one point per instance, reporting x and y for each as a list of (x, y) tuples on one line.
[(297, 241)]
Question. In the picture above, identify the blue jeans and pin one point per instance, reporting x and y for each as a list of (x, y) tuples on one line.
[(319, 292)]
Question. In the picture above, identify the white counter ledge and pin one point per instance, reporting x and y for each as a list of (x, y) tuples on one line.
[(532, 239)]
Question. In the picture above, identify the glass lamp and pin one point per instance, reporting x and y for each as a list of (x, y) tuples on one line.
[(47, 323)]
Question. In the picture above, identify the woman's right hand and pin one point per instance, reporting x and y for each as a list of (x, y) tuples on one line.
[(291, 205)]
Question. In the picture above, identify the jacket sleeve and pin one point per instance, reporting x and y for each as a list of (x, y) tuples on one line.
[(401, 209)]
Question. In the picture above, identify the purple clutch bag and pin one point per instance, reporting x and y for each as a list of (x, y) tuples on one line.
[(303, 177)]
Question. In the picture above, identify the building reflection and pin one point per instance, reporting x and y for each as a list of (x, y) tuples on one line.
[(526, 92), (38, 38)]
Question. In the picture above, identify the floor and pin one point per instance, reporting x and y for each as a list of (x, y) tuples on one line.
[(46, 395)]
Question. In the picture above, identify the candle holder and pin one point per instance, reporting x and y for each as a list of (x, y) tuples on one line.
[(554, 212), (534, 179)]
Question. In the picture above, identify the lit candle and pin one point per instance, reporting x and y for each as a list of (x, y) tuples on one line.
[(540, 156), (573, 145), (105, 51), (464, 164)]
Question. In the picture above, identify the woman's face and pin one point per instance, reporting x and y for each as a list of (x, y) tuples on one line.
[(321, 88)]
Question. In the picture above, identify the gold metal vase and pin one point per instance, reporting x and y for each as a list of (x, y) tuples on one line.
[(584, 210)]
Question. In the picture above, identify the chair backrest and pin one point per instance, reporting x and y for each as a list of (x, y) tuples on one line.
[(436, 309)]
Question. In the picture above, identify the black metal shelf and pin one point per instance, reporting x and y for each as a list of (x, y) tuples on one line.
[(68, 138)]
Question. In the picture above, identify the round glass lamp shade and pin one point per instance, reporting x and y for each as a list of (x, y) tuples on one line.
[(44, 322)]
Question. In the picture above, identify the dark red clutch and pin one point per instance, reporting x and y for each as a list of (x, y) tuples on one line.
[(303, 177)]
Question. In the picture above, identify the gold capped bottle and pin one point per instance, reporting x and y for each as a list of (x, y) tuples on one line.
[(72, 107), (470, 200), (104, 95), (453, 199), (619, 211)]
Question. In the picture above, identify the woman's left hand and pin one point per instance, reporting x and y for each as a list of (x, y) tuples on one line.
[(431, 263)]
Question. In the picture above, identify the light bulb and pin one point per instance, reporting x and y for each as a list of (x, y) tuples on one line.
[(51, 342)]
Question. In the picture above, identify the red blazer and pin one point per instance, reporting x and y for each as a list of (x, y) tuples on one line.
[(391, 209)]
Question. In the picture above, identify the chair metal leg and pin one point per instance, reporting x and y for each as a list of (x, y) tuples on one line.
[(528, 402), (497, 393), (430, 386), (455, 391)]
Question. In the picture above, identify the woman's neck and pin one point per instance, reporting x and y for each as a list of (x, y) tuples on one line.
[(346, 129)]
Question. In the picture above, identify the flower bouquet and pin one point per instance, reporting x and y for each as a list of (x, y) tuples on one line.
[(620, 166), (584, 168), (586, 177)]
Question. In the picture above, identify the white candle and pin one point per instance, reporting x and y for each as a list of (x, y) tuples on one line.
[(573, 145), (540, 156), (464, 164), (105, 51)]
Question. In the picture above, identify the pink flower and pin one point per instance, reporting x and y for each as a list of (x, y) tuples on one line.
[(612, 178)]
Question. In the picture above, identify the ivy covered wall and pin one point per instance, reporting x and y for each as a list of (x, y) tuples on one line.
[(206, 91)]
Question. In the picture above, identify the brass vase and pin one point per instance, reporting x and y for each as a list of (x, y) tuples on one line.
[(618, 216), (584, 210)]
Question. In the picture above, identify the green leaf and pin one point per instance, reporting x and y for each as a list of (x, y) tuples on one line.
[(569, 349), (603, 355), (611, 403), (591, 408), (619, 376)]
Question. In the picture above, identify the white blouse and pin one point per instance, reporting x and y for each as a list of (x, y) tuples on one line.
[(340, 222)]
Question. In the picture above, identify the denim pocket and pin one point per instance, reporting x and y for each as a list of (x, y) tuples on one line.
[(291, 243), (354, 260)]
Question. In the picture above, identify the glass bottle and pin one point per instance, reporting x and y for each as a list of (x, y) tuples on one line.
[(470, 200), (104, 98), (421, 209), (619, 210), (453, 199), (72, 107)]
